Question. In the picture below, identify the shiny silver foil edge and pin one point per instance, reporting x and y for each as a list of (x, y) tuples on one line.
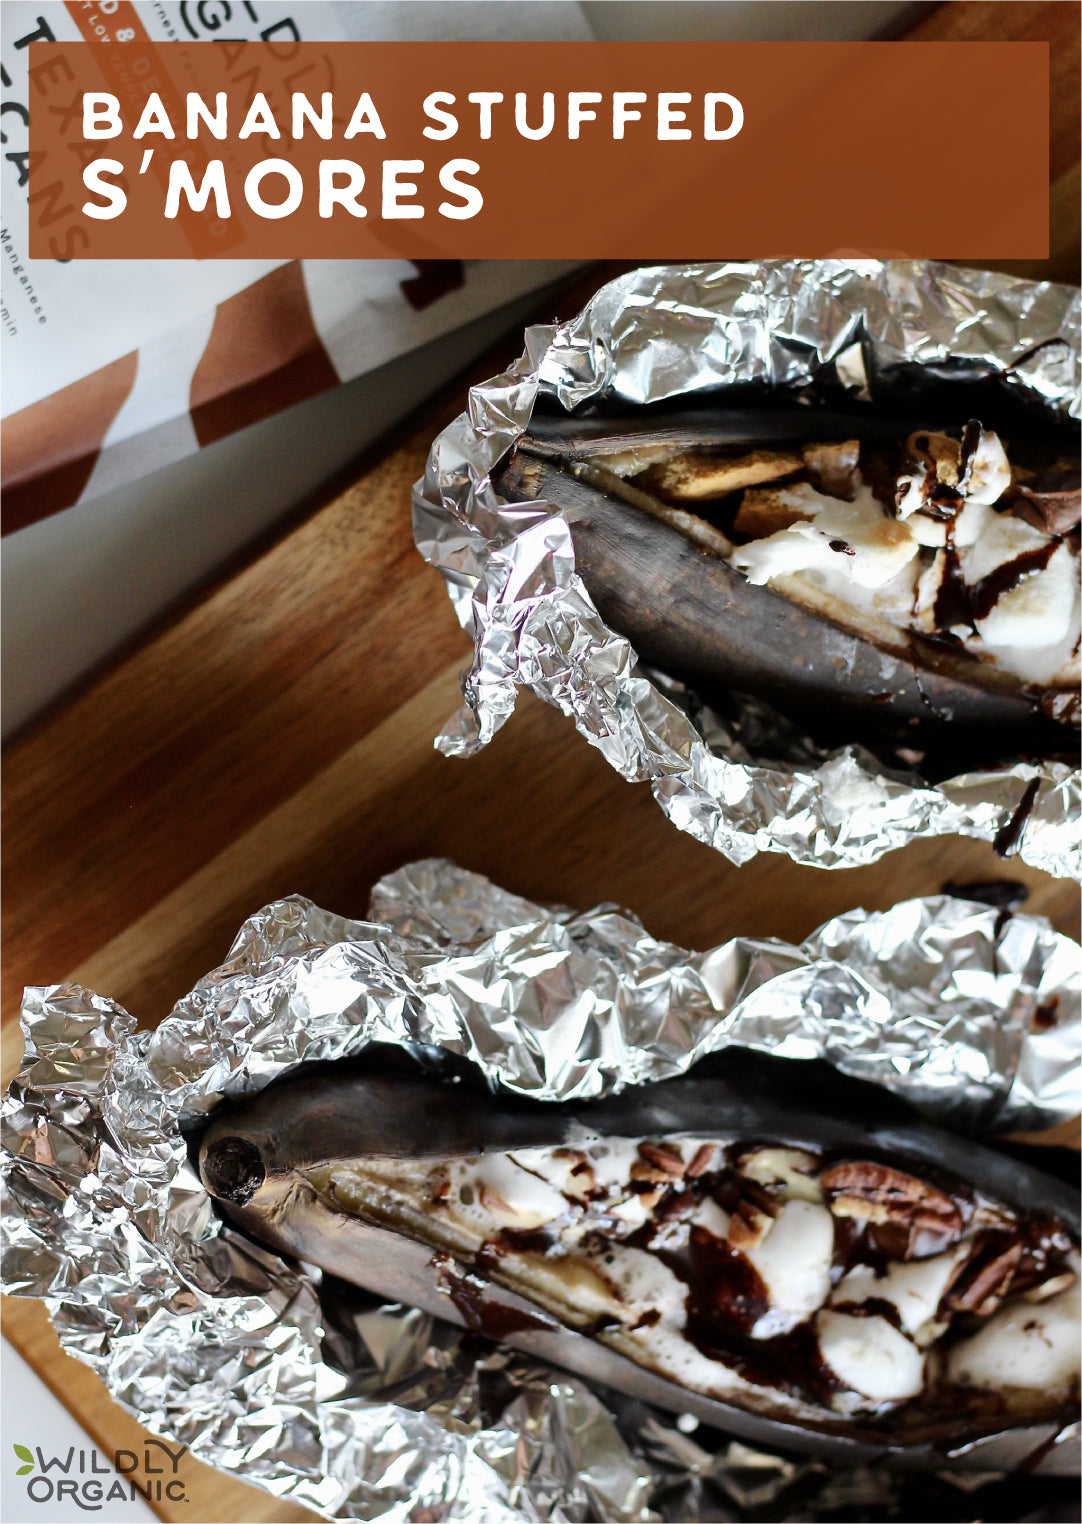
[(806, 326), (216, 1343)]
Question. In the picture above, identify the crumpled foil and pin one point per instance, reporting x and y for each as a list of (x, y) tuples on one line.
[(322, 1394), (807, 327)]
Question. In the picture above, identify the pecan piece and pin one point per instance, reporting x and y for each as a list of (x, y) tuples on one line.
[(919, 1218), (665, 1157), (705, 1158), (581, 1180), (984, 1279)]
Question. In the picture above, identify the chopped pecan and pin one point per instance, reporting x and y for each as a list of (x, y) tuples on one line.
[(704, 1159), (922, 1218), (664, 1156), (580, 1175), (984, 1279)]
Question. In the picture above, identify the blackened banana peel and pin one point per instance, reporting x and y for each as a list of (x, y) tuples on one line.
[(564, 1229)]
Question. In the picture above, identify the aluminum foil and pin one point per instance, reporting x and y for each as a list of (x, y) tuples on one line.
[(364, 1411), (807, 327)]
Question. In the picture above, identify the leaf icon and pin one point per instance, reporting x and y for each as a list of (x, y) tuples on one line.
[(24, 1454), (24, 1469)]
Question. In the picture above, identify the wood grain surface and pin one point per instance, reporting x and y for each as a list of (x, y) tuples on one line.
[(274, 736)]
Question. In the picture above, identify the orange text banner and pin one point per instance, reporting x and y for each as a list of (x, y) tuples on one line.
[(552, 150)]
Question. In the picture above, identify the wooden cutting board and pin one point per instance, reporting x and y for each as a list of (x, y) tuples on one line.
[(274, 736)]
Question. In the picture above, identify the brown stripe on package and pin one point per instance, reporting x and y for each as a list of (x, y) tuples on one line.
[(50, 447), (263, 354)]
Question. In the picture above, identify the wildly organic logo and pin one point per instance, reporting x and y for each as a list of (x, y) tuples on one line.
[(88, 1480)]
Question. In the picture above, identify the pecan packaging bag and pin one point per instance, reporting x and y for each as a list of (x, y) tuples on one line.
[(117, 368)]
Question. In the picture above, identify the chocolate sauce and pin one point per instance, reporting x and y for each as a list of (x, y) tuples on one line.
[(985, 594), (529, 1240), (871, 1307), (726, 1294), (480, 1311), (952, 600), (1046, 1015), (971, 438), (1009, 835), (941, 503), (958, 602), (1007, 894)]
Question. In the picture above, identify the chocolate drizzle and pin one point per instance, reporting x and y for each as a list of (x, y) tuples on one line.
[(958, 602), (1009, 834), (952, 600), (985, 594), (971, 438)]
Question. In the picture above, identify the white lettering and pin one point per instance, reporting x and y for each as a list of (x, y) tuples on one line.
[(101, 115), (332, 195), (365, 118), (213, 183), (433, 108), (472, 200), (577, 101), (548, 116), (303, 110), (622, 113), (484, 100), (115, 198), (260, 118), (154, 118), (273, 210), (197, 108), (394, 188), (711, 132), (667, 115)]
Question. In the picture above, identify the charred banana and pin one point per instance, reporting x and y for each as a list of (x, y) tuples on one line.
[(706, 1243)]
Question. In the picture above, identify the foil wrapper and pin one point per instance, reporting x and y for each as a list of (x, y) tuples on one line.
[(360, 1410), (811, 329)]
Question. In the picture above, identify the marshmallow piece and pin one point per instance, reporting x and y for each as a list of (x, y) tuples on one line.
[(710, 1216), (788, 1170), (870, 1356), (855, 540), (794, 1262), (1026, 1346), (989, 473), (916, 1288), (1038, 612), (495, 1189), (968, 525), (645, 1283)]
